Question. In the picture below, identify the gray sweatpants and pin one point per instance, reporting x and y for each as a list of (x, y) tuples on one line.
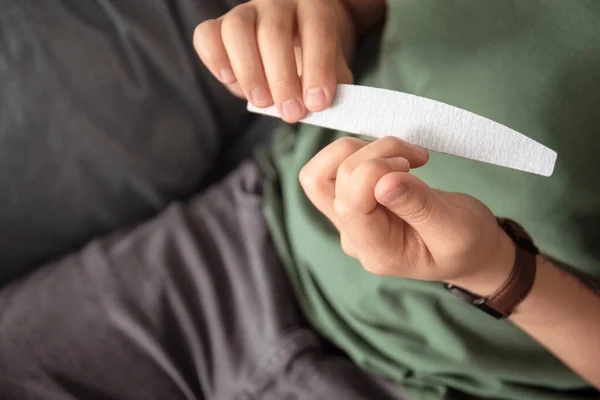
[(193, 304)]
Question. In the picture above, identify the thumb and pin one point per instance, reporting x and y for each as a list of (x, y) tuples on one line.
[(415, 203)]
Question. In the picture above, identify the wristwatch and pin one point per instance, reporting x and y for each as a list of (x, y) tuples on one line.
[(519, 283)]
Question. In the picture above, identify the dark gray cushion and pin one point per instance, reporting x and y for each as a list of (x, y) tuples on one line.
[(106, 115)]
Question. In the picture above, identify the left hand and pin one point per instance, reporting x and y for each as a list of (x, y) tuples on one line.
[(396, 225), (291, 53)]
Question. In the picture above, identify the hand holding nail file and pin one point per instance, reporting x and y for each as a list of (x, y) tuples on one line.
[(432, 124)]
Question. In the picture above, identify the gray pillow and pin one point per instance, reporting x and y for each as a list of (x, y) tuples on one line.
[(106, 115)]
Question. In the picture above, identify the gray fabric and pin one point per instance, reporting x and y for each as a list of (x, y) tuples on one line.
[(106, 114), (193, 304)]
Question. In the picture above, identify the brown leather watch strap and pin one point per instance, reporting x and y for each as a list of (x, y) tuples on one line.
[(519, 283)]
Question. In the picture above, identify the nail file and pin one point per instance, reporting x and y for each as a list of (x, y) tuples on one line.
[(437, 126)]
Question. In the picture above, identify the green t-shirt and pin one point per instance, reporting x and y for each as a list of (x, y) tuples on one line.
[(531, 65)]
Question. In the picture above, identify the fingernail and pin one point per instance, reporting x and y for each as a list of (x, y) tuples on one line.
[(259, 96), (291, 109), (395, 194), (226, 75), (314, 97)]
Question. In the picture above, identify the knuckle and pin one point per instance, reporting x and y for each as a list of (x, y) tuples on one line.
[(236, 21), (247, 74), (420, 211), (395, 145), (275, 28), (202, 33), (322, 26), (318, 73), (346, 146), (344, 170), (200, 30), (394, 142), (283, 81), (390, 140), (343, 210), (307, 177), (373, 167)]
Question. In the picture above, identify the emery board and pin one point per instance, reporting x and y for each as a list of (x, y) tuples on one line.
[(437, 126)]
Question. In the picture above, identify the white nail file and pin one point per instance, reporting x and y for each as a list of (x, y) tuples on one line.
[(434, 125)]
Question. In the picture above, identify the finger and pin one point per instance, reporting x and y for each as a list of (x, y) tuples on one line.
[(356, 194), (417, 204), (298, 55), (211, 50), (239, 38), (318, 35), (275, 34), (377, 240), (344, 73), (236, 90), (386, 147), (317, 177)]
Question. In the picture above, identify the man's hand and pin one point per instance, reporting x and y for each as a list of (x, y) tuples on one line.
[(394, 224), (288, 52)]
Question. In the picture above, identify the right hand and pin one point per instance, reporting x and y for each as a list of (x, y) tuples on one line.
[(286, 52), (396, 225)]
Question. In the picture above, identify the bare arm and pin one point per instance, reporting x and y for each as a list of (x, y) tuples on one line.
[(563, 314), (562, 311)]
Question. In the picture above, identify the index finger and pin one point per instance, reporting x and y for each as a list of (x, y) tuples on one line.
[(386, 147), (317, 177)]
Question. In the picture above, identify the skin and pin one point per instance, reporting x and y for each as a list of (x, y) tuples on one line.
[(287, 52), (292, 53), (421, 233)]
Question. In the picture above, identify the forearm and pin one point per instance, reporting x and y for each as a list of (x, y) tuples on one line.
[(560, 312), (563, 314), (361, 17)]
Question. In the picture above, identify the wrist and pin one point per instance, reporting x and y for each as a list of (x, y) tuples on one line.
[(546, 273), (515, 289), (495, 272)]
